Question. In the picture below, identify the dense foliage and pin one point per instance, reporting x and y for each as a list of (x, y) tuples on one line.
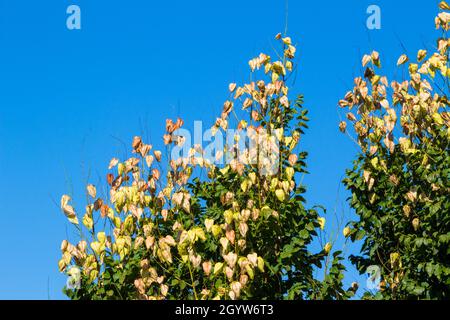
[(230, 220), (400, 182), (204, 230)]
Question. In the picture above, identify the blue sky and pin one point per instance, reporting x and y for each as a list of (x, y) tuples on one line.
[(70, 98)]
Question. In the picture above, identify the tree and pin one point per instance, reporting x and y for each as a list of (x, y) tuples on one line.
[(400, 181), (208, 231)]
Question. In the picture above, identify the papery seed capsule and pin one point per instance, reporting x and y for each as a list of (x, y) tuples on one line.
[(328, 247), (347, 231), (293, 159), (416, 223), (64, 245), (61, 265)]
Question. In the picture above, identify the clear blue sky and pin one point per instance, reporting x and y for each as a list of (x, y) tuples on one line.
[(66, 97)]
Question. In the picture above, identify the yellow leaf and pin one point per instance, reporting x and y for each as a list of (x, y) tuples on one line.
[(228, 215), (403, 58), (278, 68), (416, 224), (209, 224), (93, 275), (273, 183), (244, 186), (216, 230), (375, 79), (280, 195), (97, 247), (225, 170), (117, 222), (64, 245), (374, 162), (347, 231), (250, 272), (67, 257), (68, 210), (120, 169), (421, 54), (290, 173), (437, 118), (289, 65), (413, 67), (444, 6), (322, 222), (218, 267), (266, 211), (366, 59), (376, 59), (110, 213), (252, 177), (200, 234), (92, 191), (113, 163), (287, 41), (274, 76), (61, 265), (394, 257), (285, 185), (261, 264), (88, 221), (101, 236)]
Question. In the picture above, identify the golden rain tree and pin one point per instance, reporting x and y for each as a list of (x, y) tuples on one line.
[(400, 182), (193, 229)]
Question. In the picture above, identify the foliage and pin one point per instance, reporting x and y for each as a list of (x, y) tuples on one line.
[(241, 233), (400, 182)]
